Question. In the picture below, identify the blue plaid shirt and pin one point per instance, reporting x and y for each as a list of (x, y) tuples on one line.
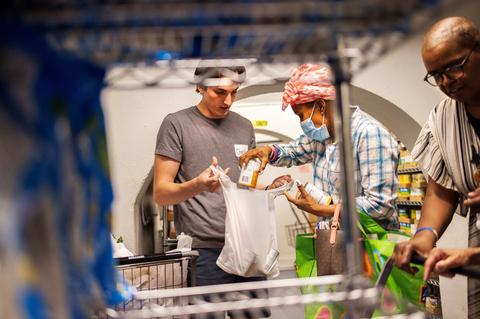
[(375, 154)]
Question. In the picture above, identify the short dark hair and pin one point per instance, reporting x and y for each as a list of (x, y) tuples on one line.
[(216, 72)]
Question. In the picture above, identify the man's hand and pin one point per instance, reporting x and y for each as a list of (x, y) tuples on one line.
[(422, 244), (437, 212), (261, 153), (280, 181), (304, 201), (441, 260), (209, 181), (473, 199)]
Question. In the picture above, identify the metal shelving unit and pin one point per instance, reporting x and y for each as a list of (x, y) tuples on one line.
[(158, 42), (409, 170), (409, 203)]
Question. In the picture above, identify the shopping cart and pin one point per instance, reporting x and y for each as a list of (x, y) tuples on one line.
[(299, 227), (356, 294), (156, 272), (251, 297), (296, 229)]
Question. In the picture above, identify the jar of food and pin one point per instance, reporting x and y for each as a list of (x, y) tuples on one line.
[(249, 173)]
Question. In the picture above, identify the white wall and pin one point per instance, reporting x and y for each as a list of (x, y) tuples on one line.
[(132, 121)]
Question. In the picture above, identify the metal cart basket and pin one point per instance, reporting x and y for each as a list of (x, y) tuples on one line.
[(156, 272)]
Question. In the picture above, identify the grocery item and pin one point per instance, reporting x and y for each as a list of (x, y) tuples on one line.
[(249, 173), (406, 160), (406, 228), (403, 193), (417, 194), (402, 212), (320, 196), (416, 214), (405, 179)]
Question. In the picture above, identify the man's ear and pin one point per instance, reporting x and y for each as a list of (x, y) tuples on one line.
[(201, 89)]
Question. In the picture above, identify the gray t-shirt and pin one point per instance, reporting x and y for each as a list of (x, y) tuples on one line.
[(190, 138)]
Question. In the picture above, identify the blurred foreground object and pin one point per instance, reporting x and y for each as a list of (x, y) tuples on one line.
[(55, 250)]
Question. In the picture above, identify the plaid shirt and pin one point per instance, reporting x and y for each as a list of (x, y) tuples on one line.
[(375, 154)]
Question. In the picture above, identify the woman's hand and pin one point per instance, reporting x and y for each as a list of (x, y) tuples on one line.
[(262, 153), (305, 202)]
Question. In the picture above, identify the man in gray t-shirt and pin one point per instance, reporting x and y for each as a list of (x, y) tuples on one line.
[(188, 142)]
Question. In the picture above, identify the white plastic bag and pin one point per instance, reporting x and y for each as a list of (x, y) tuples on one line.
[(251, 248), (184, 244)]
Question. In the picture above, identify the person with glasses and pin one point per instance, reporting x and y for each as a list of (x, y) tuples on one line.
[(448, 146)]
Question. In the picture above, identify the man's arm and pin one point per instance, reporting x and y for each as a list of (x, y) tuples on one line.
[(438, 207), (437, 212), (167, 192)]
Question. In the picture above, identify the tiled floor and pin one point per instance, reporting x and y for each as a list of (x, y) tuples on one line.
[(290, 312)]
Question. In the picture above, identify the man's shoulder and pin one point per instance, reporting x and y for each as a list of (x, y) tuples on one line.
[(183, 112), (180, 115), (234, 116), (364, 121), (364, 125), (445, 105)]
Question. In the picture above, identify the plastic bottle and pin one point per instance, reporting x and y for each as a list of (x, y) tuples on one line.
[(320, 196)]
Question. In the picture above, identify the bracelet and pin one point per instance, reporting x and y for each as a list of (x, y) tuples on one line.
[(273, 154), (433, 230)]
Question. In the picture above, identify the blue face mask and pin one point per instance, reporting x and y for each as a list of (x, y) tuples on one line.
[(319, 134)]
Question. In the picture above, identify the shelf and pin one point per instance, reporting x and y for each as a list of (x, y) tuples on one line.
[(409, 170), (409, 203), (107, 32)]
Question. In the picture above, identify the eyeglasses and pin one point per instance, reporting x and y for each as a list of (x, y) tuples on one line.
[(453, 72)]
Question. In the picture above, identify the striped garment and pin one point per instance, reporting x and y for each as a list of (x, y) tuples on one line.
[(375, 154), (445, 149)]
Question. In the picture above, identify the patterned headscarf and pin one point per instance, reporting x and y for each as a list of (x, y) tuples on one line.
[(309, 82)]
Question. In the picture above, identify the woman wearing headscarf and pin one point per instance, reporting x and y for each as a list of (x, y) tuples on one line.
[(311, 95)]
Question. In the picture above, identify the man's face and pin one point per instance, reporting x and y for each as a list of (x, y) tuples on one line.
[(218, 100), (464, 88)]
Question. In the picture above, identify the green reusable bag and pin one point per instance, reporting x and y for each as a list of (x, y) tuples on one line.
[(305, 261), (306, 266), (402, 288)]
